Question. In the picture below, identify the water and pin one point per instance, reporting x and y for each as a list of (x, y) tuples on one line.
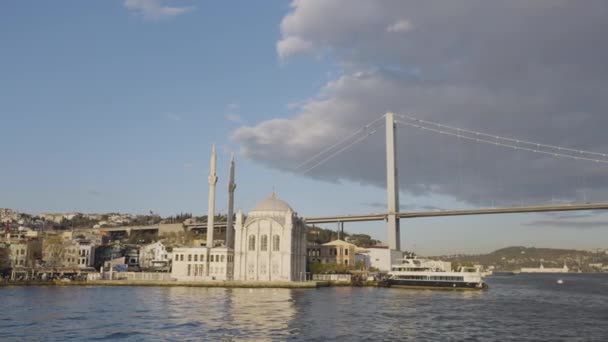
[(524, 307)]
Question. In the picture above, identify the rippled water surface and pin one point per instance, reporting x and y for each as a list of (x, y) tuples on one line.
[(524, 307)]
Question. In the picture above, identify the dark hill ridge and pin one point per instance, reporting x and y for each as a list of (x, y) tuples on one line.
[(514, 258)]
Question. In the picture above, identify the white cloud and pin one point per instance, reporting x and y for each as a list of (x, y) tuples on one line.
[(400, 26), (489, 68), (154, 10), (292, 45)]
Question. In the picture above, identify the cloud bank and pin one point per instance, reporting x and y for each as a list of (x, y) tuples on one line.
[(535, 70)]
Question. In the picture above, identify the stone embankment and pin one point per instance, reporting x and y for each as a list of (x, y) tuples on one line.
[(227, 284)]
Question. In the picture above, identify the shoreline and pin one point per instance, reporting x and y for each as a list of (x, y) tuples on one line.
[(216, 284)]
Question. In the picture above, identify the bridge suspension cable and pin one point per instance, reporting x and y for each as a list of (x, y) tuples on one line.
[(476, 138), (344, 148), (342, 145), (513, 140)]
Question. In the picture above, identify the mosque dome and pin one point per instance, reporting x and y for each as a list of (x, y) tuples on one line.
[(272, 203)]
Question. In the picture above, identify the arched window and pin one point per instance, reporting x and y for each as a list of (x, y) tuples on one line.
[(252, 242), (276, 243), (195, 257), (264, 243)]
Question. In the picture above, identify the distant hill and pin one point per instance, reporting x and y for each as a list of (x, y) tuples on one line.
[(514, 258)]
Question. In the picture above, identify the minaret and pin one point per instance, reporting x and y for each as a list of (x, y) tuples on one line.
[(229, 223), (211, 208)]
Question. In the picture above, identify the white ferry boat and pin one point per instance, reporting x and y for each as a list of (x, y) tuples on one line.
[(419, 273)]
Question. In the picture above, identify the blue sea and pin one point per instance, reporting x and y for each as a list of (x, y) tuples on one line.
[(514, 308)]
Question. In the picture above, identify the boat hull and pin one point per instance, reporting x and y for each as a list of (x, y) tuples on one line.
[(439, 285)]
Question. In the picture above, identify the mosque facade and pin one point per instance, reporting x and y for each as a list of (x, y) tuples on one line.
[(269, 244)]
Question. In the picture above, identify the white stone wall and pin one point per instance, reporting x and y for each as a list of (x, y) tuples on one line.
[(259, 261), (86, 255), (154, 252), (202, 264), (383, 258)]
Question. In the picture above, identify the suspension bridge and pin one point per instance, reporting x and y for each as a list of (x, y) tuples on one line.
[(393, 215)]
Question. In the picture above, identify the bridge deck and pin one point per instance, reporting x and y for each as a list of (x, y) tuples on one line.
[(483, 211)]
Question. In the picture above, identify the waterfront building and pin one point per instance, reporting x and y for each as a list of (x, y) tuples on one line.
[(213, 261), (336, 251), (132, 256), (63, 251), (24, 253), (270, 245), (362, 257), (59, 252), (86, 253), (202, 264), (108, 252), (382, 257), (154, 256)]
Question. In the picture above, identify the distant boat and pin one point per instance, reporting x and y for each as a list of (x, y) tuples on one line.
[(543, 269), (559, 281)]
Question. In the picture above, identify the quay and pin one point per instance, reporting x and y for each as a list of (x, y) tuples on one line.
[(217, 284)]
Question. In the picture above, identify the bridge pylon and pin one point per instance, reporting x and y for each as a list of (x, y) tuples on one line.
[(392, 184)]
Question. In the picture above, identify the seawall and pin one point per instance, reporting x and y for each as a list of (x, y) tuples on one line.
[(219, 284)]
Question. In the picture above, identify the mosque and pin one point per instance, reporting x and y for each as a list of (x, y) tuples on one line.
[(269, 244)]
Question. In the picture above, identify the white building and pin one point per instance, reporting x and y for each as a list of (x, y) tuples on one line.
[(381, 257), (86, 253), (202, 264), (271, 244), (153, 255)]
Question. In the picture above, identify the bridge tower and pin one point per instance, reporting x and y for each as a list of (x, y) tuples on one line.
[(392, 184)]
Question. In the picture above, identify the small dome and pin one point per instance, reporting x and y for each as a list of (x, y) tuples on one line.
[(272, 203)]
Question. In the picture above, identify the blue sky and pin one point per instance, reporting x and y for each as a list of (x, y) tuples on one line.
[(114, 105)]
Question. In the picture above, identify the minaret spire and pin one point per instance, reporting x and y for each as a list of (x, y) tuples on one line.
[(229, 223), (211, 207)]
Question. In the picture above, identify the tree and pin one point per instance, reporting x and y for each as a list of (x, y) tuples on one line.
[(362, 240), (54, 251)]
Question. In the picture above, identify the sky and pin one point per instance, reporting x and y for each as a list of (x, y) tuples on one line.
[(112, 106)]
